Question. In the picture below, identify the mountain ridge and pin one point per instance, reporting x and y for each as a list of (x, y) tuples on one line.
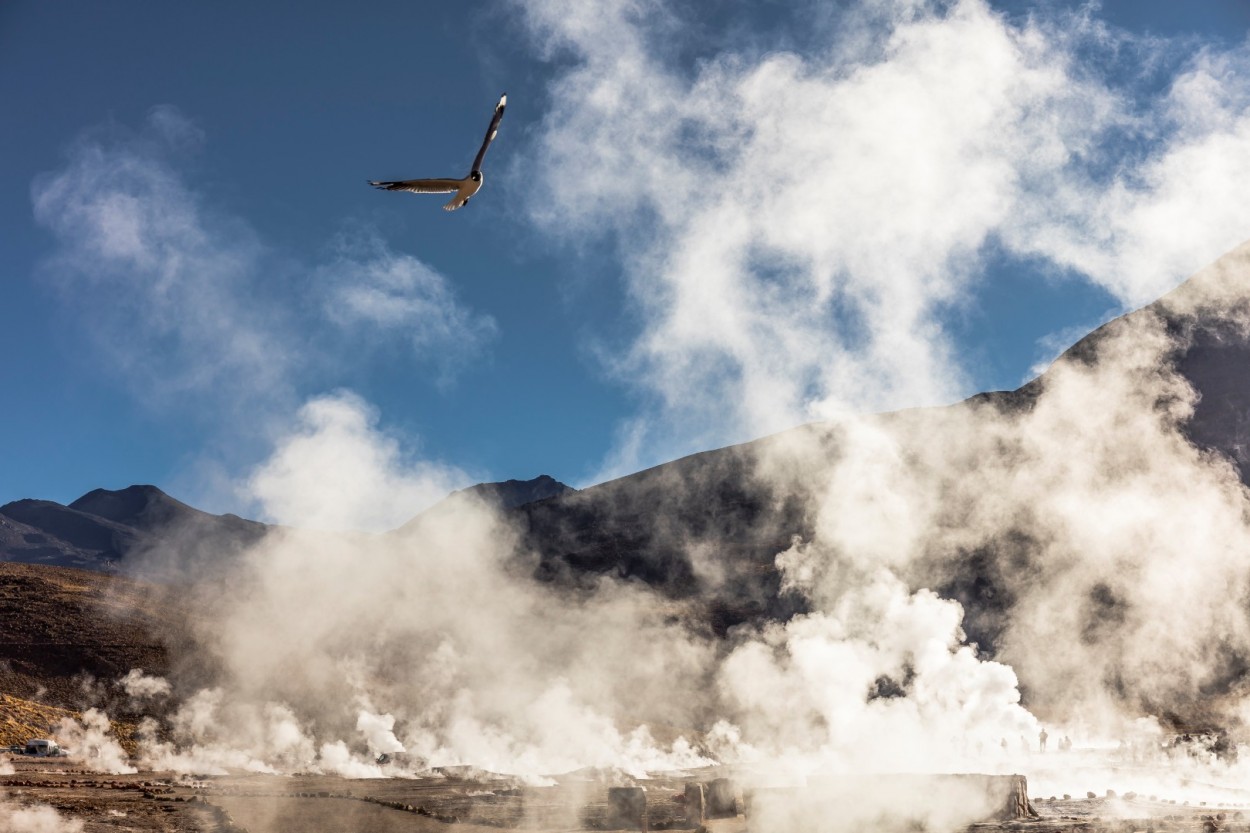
[(103, 528)]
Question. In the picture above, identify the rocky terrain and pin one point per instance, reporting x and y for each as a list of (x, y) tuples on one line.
[(61, 794), (112, 531), (63, 629)]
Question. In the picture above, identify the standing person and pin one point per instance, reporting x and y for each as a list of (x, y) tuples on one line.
[(1041, 739)]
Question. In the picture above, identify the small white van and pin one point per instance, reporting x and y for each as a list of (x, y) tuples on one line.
[(43, 748)]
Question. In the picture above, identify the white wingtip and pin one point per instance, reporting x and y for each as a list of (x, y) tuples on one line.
[(503, 101)]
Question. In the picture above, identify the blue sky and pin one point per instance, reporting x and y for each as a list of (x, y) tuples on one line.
[(194, 272)]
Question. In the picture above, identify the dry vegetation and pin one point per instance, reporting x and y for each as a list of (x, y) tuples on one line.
[(65, 636), (21, 720), (61, 629)]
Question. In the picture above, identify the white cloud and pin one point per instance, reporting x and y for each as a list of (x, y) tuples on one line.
[(377, 291), (186, 303), (187, 298), (336, 470), (35, 818), (163, 282), (795, 226), (1170, 203)]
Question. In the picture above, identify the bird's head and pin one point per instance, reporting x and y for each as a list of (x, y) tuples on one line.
[(476, 176)]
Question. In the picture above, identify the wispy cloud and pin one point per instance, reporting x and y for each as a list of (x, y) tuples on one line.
[(1171, 206), (184, 294), (188, 306), (162, 281), (371, 289)]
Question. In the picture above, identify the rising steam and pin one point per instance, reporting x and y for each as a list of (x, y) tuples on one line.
[(38, 818)]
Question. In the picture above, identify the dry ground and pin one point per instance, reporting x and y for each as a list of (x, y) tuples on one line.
[(21, 720), (169, 803), (61, 629)]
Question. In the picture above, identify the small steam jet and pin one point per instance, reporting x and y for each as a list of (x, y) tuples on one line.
[(463, 188)]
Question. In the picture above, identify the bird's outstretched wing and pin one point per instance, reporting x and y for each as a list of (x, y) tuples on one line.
[(420, 186), (491, 131)]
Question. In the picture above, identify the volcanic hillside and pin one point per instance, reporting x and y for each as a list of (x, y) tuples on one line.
[(141, 531), (110, 530), (711, 525), (62, 630)]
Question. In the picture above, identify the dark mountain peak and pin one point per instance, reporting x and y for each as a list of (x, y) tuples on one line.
[(25, 504), (506, 495), (131, 505), (84, 531), (509, 494), (140, 529), (149, 509)]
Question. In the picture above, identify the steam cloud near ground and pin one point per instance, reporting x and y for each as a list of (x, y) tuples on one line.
[(1117, 540), (40, 818)]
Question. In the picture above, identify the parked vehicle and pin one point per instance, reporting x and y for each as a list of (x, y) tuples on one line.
[(41, 748)]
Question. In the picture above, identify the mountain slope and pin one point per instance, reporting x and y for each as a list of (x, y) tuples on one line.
[(704, 525), (141, 530), (137, 529), (44, 532), (712, 524), (62, 627), (148, 509)]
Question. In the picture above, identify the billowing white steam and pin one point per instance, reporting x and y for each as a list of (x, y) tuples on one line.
[(459, 660), (37, 818), (801, 694), (89, 739), (141, 686), (435, 643), (432, 645), (338, 471), (379, 733)]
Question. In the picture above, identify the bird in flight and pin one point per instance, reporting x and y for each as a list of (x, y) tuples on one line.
[(463, 188)]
